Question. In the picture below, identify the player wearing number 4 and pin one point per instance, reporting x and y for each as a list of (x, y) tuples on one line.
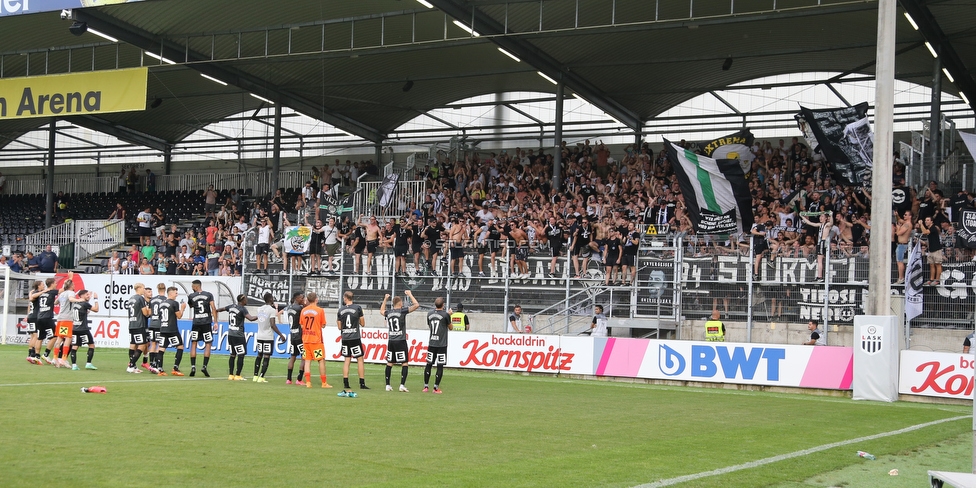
[(351, 321), (313, 320), (263, 340), (397, 349), (204, 323), (439, 322), (236, 341)]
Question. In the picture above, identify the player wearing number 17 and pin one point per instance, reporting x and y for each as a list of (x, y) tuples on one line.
[(204, 323), (313, 320), (397, 349), (439, 322)]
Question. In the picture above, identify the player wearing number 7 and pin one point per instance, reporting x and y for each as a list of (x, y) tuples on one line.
[(397, 349), (204, 323), (313, 321)]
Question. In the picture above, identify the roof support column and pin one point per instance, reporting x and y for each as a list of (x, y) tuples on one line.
[(276, 155), (935, 126), (379, 156), (49, 182), (557, 160), (879, 276), (167, 160)]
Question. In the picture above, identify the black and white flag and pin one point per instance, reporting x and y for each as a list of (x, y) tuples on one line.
[(845, 140), (715, 191)]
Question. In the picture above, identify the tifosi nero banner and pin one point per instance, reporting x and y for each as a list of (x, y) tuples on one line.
[(94, 92)]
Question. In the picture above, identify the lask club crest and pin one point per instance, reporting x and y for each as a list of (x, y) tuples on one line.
[(871, 340)]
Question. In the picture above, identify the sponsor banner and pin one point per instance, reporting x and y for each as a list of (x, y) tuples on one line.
[(938, 374), (17, 7), (752, 364), (91, 92), (477, 350)]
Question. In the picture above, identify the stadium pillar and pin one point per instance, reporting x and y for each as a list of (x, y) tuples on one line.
[(557, 157), (276, 157), (167, 160), (379, 155), (935, 126), (879, 276), (49, 182)]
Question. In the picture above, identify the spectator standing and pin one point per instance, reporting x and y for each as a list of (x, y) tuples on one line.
[(715, 328), (145, 227), (47, 261), (968, 342), (459, 319), (150, 181), (598, 328), (122, 181), (210, 202), (131, 180), (515, 320), (816, 336), (18, 264)]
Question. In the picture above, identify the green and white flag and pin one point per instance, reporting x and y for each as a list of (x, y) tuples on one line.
[(714, 190), (297, 239)]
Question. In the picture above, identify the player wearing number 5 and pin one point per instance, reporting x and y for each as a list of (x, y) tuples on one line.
[(351, 321), (439, 322), (397, 349), (313, 320), (204, 324)]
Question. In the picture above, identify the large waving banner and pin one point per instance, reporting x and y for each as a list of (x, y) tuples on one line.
[(845, 139), (715, 191), (736, 146)]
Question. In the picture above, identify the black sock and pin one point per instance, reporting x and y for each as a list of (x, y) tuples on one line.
[(91, 354), (135, 359), (30, 352), (389, 369), (47, 353), (438, 376), (427, 375), (301, 371), (362, 381), (240, 364), (264, 365), (131, 355), (193, 361), (345, 382), (153, 359), (257, 364), (403, 374), (206, 361), (230, 365), (179, 357), (145, 357), (159, 359), (74, 356), (289, 373)]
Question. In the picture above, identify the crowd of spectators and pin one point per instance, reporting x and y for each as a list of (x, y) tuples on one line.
[(490, 204)]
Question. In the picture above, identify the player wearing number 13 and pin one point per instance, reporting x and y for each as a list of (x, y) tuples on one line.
[(439, 322), (397, 349), (313, 320), (204, 323), (351, 320)]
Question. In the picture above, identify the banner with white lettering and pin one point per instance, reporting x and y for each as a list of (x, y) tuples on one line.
[(845, 139), (938, 374)]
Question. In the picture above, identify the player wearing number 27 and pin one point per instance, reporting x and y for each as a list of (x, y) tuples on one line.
[(397, 349), (313, 320)]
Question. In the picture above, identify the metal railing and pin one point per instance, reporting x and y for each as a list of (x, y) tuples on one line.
[(366, 203), (58, 235), (258, 182), (94, 238)]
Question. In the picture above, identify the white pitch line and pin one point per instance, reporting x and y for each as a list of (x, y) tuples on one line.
[(95, 380), (804, 452)]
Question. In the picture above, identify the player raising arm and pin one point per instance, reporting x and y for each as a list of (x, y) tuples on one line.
[(397, 349)]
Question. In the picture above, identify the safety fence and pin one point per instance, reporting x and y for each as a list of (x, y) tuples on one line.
[(82, 238), (372, 199)]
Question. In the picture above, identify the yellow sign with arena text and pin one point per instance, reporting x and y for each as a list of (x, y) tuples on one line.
[(95, 92)]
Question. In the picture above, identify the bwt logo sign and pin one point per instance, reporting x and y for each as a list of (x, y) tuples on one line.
[(730, 360)]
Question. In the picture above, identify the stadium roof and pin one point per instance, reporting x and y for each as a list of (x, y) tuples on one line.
[(369, 67)]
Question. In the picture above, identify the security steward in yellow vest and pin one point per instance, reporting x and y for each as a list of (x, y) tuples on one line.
[(714, 328), (459, 320)]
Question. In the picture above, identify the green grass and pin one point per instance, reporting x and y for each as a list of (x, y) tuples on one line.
[(487, 429)]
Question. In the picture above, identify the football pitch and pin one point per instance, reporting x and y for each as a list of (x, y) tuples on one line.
[(486, 429)]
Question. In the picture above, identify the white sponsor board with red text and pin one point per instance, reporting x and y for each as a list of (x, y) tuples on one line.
[(477, 350), (939, 374)]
